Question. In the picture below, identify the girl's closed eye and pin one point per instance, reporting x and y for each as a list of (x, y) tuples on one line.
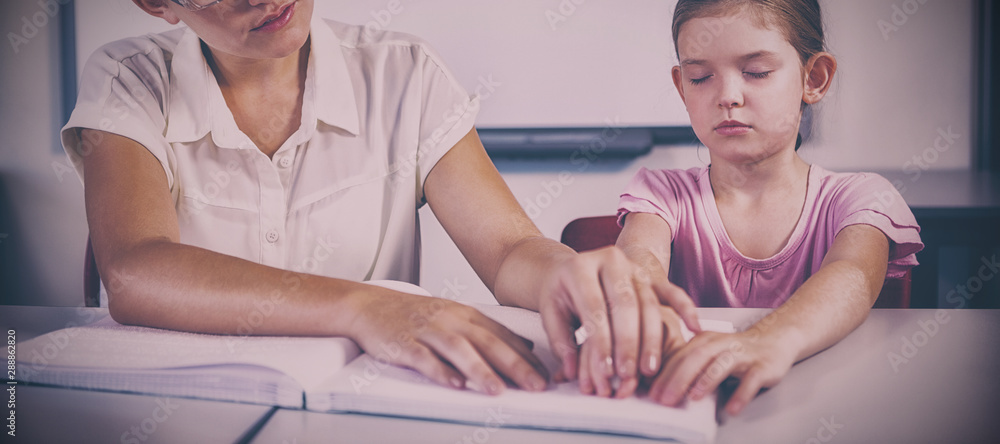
[(700, 80), (757, 75)]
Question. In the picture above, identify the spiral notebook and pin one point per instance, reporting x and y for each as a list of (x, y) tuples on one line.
[(332, 375)]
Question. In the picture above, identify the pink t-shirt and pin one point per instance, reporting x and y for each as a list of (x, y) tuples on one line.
[(706, 264)]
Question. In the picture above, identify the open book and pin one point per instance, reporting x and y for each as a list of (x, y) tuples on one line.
[(331, 374)]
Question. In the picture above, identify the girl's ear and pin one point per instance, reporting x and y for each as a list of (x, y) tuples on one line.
[(819, 73), (158, 8), (678, 82)]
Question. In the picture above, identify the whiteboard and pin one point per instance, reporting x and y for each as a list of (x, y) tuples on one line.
[(547, 63), (893, 92)]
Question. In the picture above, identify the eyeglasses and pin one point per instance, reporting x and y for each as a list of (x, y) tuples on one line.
[(196, 5)]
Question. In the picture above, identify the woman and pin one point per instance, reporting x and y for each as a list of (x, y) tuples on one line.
[(260, 158)]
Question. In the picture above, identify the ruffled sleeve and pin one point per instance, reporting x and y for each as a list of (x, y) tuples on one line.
[(652, 192), (870, 199)]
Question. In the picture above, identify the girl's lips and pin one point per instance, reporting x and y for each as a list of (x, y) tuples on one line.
[(279, 21), (734, 130)]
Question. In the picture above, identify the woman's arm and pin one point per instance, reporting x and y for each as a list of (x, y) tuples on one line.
[(828, 306), (602, 290), (154, 280)]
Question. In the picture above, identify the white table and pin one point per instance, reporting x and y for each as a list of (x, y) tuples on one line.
[(58, 415), (947, 392)]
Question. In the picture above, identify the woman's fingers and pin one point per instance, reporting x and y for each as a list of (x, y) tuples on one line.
[(652, 327), (676, 297), (420, 358), (617, 303), (450, 343), (618, 283), (587, 296), (457, 350), (509, 354)]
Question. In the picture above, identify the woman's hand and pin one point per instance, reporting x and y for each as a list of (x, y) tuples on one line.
[(698, 367), (448, 342), (617, 303)]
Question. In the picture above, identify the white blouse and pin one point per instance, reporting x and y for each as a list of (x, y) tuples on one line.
[(339, 198)]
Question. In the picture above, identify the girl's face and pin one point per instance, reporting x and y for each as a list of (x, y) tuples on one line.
[(742, 85), (255, 29)]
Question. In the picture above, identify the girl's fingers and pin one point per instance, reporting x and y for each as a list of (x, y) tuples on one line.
[(600, 380), (676, 297), (750, 384), (720, 368), (686, 365), (586, 383), (558, 323), (626, 388)]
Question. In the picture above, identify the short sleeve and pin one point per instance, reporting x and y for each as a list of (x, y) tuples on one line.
[(448, 112), (872, 200), (651, 192), (122, 91)]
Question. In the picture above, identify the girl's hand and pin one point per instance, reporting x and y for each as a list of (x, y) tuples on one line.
[(618, 305), (448, 342), (673, 339), (702, 364)]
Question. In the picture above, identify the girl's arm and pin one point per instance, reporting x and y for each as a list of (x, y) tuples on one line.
[(646, 240), (828, 306), (154, 280), (602, 290)]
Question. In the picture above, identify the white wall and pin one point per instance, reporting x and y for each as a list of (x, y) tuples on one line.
[(891, 97)]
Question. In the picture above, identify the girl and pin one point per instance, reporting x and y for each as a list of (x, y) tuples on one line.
[(759, 227), (244, 174)]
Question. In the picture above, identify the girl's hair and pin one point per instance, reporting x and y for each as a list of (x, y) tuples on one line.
[(799, 20)]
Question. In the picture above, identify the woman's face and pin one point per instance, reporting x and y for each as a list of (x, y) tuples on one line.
[(254, 29), (742, 85)]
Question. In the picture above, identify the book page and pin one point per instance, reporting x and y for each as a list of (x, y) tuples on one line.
[(106, 355), (109, 347), (369, 385)]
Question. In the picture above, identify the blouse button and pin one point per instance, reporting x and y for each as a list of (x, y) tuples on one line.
[(271, 236), (285, 162)]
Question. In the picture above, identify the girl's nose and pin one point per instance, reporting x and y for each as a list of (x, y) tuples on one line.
[(731, 95)]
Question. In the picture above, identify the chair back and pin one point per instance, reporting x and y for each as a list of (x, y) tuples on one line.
[(590, 233)]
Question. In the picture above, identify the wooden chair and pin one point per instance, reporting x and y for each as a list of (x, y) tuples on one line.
[(589, 233)]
